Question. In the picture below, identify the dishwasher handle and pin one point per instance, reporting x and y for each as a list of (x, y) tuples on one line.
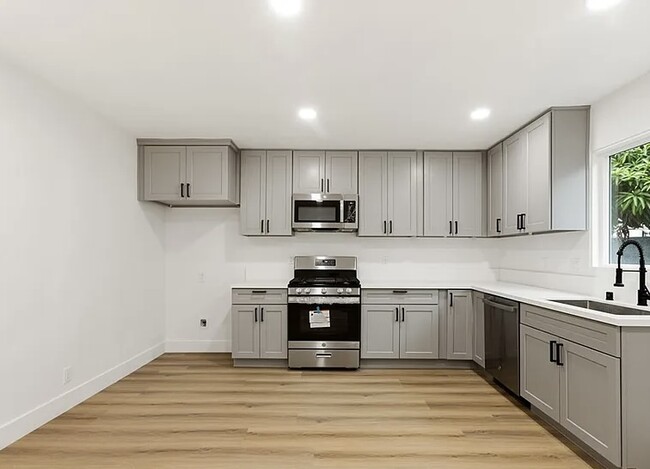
[(494, 304)]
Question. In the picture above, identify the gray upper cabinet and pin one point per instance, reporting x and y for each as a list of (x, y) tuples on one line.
[(479, 329), (460, 326), (419, 332), (453, 194), (495, 190), (545, 174), (341, 172), (332, 172), (266, 193), (380, 331), (308, 172), (164, 170), (539, 376), (189, 175), (388, 194)]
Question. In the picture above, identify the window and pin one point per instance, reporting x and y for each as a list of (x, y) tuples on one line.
[(629, 201)]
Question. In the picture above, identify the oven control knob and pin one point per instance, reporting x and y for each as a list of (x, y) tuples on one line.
[(307, 290), (323, 291), (298, 290), (348, 290), (339, 290)]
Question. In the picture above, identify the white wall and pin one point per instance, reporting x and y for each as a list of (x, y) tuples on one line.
[(207, 241), (82, 262), (564, 261)]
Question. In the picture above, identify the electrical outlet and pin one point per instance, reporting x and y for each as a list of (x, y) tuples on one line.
[(204, 323), (67, 374)]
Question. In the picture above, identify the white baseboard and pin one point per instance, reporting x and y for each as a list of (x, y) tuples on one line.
[(197, 346), (35, 418)]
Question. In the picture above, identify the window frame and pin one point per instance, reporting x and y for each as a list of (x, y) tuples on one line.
[(602, 195)]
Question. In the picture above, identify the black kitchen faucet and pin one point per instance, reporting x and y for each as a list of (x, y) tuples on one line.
[(643, 294)]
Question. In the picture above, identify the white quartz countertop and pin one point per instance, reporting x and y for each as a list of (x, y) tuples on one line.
[(522, 293)]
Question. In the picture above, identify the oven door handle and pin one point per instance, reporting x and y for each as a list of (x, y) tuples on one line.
[(323, 355)]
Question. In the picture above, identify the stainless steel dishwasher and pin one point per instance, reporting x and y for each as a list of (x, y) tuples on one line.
[(502, 341)]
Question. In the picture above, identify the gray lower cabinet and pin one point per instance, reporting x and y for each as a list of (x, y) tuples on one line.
[(479, 330), (259, 331), (576, 386), (460, 315), (399, 331)]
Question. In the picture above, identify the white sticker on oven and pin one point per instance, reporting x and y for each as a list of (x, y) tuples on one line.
[(319, 319)]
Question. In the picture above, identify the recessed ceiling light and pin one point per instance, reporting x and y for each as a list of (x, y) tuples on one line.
[(480, 114), (307, 113), (601, 5), (286, 8)]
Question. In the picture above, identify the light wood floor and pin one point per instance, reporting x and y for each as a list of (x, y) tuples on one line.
[(196, 411)]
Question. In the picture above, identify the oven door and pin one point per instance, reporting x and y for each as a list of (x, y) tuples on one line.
[(342, 331)]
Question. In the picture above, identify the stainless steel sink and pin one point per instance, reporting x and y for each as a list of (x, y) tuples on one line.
[(608, 308)]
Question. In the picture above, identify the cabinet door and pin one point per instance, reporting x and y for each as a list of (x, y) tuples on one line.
[(341, 172), (479, 330), (495, 190), (515, 175), (402, 194), (468, 194), (245, 331), (380, 331), (164, 171), (207, 173), (278, 193), (590, 387), (459, 325), (419, 332), (538, 145), (373, 192), (273, 331), (438, 193), (308, 172), (253, 193), (539, 377)]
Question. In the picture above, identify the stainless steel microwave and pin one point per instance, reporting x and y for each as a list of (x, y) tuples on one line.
[(325, 212)]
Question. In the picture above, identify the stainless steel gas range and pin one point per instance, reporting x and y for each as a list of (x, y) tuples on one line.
[(324, 313)]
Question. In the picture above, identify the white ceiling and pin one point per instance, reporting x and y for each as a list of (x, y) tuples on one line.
[(381, 73)]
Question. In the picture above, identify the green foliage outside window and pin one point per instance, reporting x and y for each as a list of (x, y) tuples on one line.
[(630, 175)]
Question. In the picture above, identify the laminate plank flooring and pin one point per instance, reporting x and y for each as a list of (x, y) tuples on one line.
[(197, 411)]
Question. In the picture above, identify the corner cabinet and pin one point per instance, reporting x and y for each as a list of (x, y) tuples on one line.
[(387, 194), (266, 193), (259, 330), (331, 172), (453, 194), (545, 174), (189, 175)]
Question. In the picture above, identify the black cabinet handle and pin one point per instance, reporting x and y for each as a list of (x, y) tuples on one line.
[(261, 314), (322, 185), (451, 231), (390, 224), (400, 292), (328, 185), (259, 292), (456, 223), (262, 226), (518, 222), (188, 191), (182, 189), (523, 221), (397, 314), (559, 348), (384, 226), (552, 347), (403, 317), (451, 300), (498, 225), (267, 226), (255, 314)]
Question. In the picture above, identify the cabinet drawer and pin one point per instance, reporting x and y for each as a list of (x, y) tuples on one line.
[(399, 297), (269, 296), (602, 337)]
